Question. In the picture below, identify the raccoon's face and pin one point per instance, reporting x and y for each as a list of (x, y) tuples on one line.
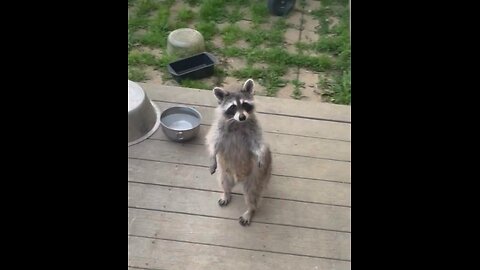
[(236, 105)]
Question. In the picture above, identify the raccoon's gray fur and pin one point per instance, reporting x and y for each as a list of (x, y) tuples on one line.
[(235, 141)]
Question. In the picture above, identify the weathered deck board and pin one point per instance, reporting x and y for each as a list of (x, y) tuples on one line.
[(288, 145), (189, 176), (269, 105), (303, 222), (284, 125), (273, 211), (213, 231), (157, 253), (284, 165)]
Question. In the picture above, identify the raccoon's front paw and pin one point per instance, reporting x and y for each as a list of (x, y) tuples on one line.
[(213, 168)]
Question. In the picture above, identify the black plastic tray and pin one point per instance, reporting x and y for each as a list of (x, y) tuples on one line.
[(194, 67)]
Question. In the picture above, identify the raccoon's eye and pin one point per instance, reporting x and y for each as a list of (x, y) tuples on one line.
[(231, 110), (247, 107)]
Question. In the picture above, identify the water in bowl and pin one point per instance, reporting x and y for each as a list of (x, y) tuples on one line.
[(179, 121)]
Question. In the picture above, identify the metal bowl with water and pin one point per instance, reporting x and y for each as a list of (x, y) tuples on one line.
[(180, 123)]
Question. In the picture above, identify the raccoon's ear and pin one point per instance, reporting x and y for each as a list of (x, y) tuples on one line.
[(219, 93), (248, 86)]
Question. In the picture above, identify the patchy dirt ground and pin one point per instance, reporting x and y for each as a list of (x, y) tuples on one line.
[(302, 32)]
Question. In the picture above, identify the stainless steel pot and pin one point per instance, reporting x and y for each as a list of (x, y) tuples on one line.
[(180, 123), (143, 115)]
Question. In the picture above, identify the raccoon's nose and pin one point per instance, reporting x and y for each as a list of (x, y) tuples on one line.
[(242, 117)]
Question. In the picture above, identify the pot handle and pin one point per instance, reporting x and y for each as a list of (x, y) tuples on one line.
[(180, 135)]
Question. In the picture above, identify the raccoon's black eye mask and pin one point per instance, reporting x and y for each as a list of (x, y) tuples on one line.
[(231, 110), (247, 107)]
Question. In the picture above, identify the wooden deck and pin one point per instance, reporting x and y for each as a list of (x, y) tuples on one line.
[(174, 221)]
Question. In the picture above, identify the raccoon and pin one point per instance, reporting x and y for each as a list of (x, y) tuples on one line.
[(235, 141)]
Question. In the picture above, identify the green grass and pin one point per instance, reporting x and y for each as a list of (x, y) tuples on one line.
[(135, 23), (255, 36), (335, 41), (164, 61), (208, 29), (249, 72), (138, 59), (185, 15), (232, 51), (195, 84), (302, 46), (219, 71), (193, 2), (297, 92), (136, 74), (275, 36), (148, 26), (318, 64), (259, 12), (324, 25), (280, 57), (343, 89), (235, 16), (239, 3), (212, 10), (231, 34), (273, 82), (156, 27), (145, 7), (130, 41), (270, 78), (338, 89)]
